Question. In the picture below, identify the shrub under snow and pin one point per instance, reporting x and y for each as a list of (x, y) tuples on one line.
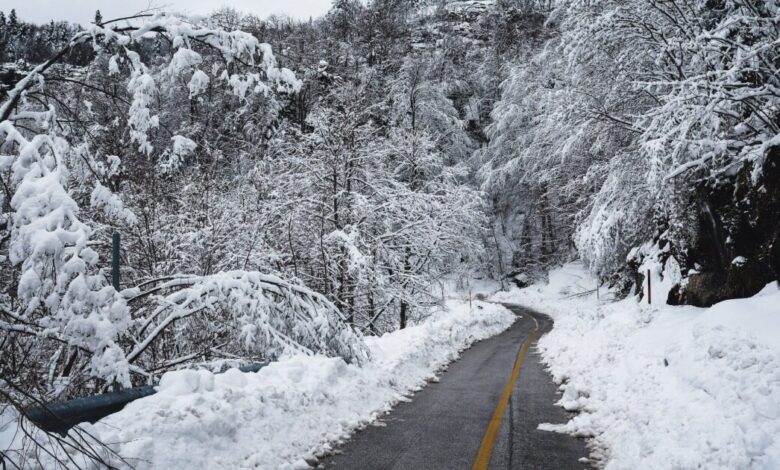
[(290, 411)]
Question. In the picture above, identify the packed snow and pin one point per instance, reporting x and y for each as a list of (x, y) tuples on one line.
[(293, 410), (659, 386)]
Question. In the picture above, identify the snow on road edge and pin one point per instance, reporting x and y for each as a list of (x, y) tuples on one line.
[(295, 409), (661, 386)]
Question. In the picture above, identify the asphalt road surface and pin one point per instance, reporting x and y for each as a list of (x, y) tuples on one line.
[(475, 416)]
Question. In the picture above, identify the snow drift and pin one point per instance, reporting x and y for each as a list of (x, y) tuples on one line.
[(660, 386), (291, 411)]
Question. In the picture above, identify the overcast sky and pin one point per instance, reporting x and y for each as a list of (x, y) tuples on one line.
[(83, 11)]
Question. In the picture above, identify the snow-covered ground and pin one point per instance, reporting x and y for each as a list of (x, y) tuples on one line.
[(664, 387), (293, 410)]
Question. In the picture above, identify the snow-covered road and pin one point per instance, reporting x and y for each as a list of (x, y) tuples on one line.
[(445, 424)]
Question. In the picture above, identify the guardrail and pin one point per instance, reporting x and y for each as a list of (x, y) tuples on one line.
[(60, 417)]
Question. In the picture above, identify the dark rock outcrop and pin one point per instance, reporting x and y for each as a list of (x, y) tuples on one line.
[(736, 250)]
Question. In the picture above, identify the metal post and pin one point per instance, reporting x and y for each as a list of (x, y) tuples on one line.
[(649, 289), (469, 297), (115, 260)]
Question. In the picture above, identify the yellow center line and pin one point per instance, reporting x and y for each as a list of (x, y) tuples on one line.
[(489, 440)]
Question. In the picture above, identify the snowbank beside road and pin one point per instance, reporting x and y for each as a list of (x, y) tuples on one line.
[(293, 410), (661, 386)]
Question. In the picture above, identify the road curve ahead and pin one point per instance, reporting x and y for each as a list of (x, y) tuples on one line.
[(460, 423)]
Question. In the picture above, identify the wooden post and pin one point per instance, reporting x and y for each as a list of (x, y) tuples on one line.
[(469, 298), (115, 260), (115, 386), (649, 289)]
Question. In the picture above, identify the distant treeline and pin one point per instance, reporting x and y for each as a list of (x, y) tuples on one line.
[(34, 43)]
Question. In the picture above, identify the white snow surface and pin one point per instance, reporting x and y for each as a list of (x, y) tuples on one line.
[(659, 386), (292, 410)]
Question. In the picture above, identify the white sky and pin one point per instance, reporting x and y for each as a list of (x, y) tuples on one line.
[(83, 11)]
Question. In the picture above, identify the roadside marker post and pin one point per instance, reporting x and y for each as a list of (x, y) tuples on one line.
[(649, 289), (115, 260)]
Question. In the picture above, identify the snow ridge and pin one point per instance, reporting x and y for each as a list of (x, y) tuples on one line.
[(660, 386), (291, 411)]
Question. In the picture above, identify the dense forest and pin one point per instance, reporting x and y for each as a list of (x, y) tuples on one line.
[(31, 43), (292, 185)]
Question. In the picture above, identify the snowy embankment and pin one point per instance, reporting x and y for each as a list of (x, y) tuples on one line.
[(659, 386), (294, 409)]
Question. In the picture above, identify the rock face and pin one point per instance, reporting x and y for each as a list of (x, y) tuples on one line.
[(736, 250)]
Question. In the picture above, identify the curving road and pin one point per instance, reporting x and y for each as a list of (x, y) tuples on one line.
[(483, 413)]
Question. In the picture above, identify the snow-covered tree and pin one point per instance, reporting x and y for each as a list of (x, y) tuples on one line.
[(376, 219), (83, 155), (629, 107)]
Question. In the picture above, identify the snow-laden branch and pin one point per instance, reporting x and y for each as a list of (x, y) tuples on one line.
[(182, 32), (64, 311), (59, 284), (267, 315)]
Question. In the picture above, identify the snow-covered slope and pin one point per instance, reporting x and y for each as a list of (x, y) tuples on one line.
[(661, 386), (292, 410)]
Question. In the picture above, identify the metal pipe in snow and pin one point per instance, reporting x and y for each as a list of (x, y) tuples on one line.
[(60, 417)]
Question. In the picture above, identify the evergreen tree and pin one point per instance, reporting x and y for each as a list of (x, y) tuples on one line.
[(13, 22), (3, 37), (10, 43)]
